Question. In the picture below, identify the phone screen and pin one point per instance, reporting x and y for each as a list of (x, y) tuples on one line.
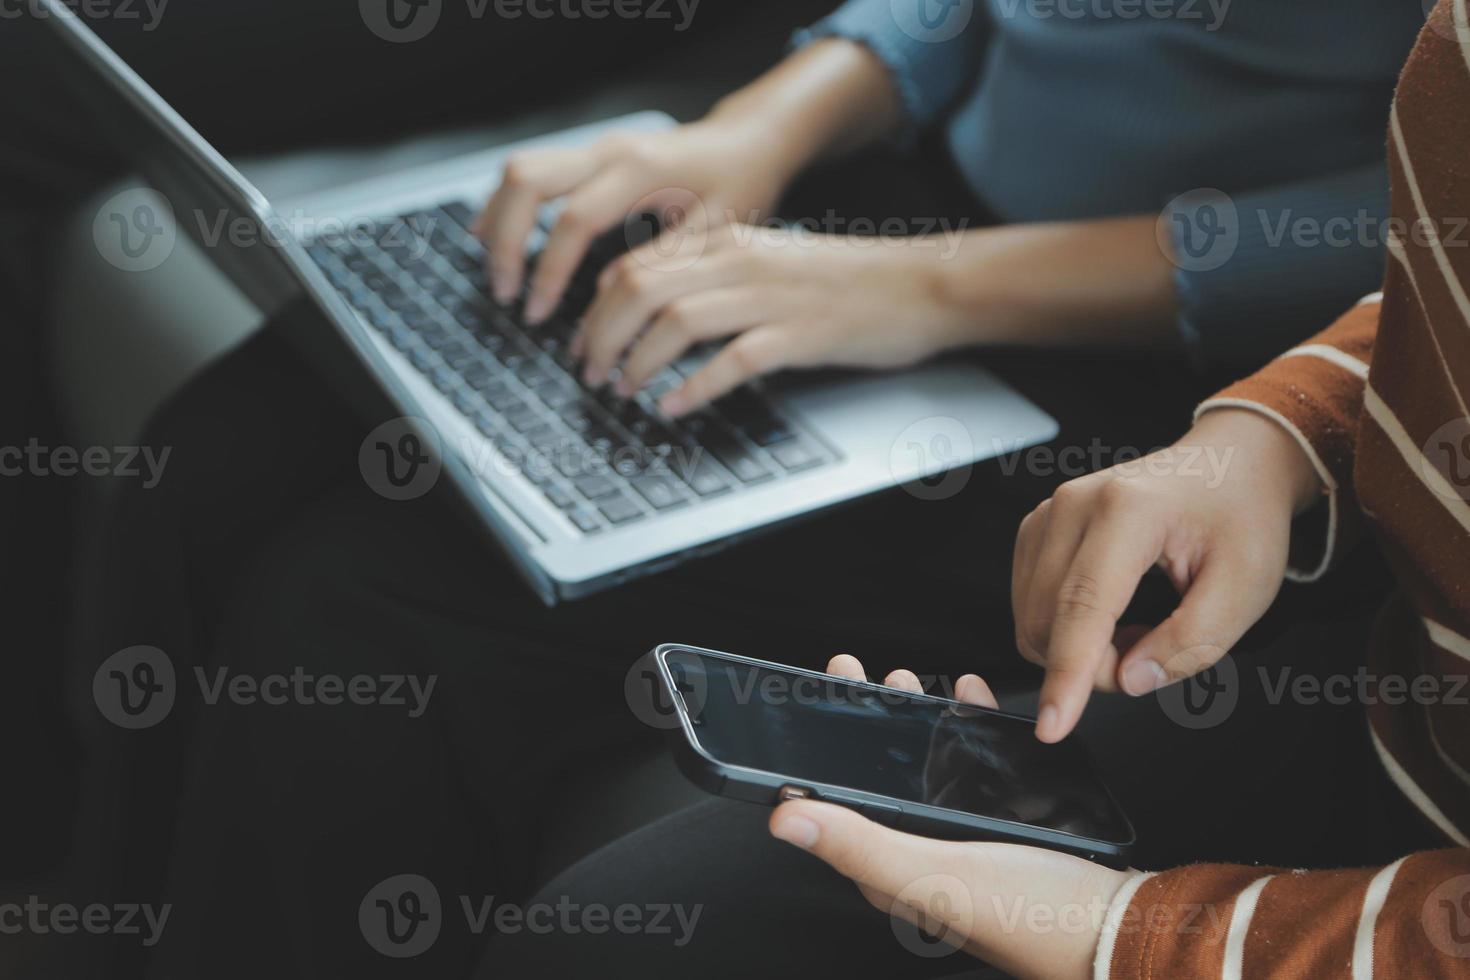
[(815, 728)]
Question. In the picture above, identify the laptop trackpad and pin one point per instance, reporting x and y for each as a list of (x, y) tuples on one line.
[(918, 421)]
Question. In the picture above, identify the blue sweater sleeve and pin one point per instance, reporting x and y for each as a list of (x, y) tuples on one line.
[(1256, 270), (933, 48)]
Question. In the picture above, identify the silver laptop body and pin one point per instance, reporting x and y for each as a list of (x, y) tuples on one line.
[(818, 439)]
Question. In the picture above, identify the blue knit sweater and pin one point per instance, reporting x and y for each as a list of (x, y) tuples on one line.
[(1064, 109)]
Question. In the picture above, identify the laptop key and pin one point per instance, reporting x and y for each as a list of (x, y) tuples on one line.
[(479, 281), (569, 463), (796, 455), (340, 278), (603, 438), (696, 426), (488, 339), (457, 355), (664, 459), (460, 213), (381, 319), (536, 468), (401, 338), (661, 492), (542, 437), (417, 319), (585, 521), (463, 262), (465, 403), (628, 462), (703, 476), (523, 420), (487, 424), (435, 336), (736, 458), (594, 487), (397, 300), (648, 429), (532, 374), (577, 417), (747, 470), (503, 400), (767, 431), (558, 496), (619, 509), (558, 395), (485, 382)]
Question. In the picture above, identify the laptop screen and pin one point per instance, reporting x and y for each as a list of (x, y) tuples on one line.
[(193, 189)]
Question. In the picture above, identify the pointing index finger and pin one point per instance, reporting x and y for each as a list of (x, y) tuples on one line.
[(1091, 596)]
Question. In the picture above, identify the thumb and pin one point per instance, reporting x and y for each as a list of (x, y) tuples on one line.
[(1223, 602), (917, 870)]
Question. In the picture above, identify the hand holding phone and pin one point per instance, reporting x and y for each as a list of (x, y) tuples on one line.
[(1033, 911), (762, 732)]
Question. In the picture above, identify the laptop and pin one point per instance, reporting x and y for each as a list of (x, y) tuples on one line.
[(581, 489)]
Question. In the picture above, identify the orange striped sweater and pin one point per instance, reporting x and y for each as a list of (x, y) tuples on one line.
[(1378, 401)]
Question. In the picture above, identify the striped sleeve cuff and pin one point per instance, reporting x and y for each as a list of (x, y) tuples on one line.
[(1315, 393), (1107, 941), (1409, 918), (1175, 924)]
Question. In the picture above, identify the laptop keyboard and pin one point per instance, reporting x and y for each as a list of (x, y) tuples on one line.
[(603, 460)]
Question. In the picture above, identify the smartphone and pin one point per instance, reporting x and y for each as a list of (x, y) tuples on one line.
[(763, 732)]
